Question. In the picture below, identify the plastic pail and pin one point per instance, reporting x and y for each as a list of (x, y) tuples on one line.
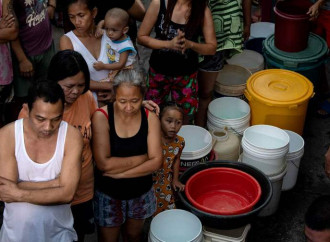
[(175, 225), (292, 25), (272, 206), (307, 62), (229, 235), (249, 59), (229, 112), (279, 98), (198, 146), (265, 147), (261, 29), (231, 80), (254, 44), (296, 151)]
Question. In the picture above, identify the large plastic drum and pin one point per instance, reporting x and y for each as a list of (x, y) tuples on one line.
[(279, 98), (307, 62), (292, 25)]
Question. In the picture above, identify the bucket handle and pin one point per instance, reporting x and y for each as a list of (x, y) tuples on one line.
[(290, 64)]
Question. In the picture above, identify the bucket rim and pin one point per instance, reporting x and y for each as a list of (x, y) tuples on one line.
[(298, 137), (265, 128), (251, 93), (270, 49), (241, 102), (264, 153), (188, 213), (290, 16)]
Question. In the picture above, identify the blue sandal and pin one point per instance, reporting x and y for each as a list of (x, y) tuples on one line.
[(324, 110)]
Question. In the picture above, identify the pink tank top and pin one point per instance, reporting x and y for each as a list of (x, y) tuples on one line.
[(6, 73)]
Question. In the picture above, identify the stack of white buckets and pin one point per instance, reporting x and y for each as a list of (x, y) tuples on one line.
[(275, 152)]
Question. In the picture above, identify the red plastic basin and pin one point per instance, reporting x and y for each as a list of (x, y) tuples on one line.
[(223, 191)]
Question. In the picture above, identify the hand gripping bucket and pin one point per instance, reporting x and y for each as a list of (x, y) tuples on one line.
[(296, 151), (292, 25)]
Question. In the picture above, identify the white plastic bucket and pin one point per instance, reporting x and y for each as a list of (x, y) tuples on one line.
[(261, 30), (231, 81), (228, 112), (249, 59), (175, 225), (229, 235), (276, 181), (296, 151), (198, 146), (265, 147)]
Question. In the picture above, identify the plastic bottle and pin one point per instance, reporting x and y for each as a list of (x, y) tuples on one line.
[(227, 145)]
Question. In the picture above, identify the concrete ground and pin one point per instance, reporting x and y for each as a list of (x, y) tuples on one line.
[(287, 224)]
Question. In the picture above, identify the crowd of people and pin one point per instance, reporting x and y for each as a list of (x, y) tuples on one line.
[(95, 141)]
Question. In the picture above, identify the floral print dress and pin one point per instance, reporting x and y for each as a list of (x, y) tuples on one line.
[(164, 176)]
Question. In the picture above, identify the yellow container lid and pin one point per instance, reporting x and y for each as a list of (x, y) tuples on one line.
[(278, 87)]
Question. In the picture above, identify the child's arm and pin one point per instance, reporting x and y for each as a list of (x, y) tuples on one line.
[(177, 185), (99, 29), (99, 65)]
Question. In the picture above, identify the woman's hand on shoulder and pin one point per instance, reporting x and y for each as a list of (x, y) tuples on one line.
[(151, 106)]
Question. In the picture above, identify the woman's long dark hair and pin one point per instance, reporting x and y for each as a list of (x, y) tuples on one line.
[(195, 19)]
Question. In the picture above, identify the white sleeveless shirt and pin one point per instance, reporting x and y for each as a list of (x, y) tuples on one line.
[(28, 222), (89, 58)]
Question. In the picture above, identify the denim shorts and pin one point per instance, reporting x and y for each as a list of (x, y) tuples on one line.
[(214, 63), (110, 212)]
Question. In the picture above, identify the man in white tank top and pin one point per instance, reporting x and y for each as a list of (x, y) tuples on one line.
[(40, 163)]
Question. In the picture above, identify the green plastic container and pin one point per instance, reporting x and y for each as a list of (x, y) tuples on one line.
[(307, 62)]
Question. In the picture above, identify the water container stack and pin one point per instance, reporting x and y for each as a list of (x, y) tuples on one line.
[(265, 147), (228, 112), (293, 47)]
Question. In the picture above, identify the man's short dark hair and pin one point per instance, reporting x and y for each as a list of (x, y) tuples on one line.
[(48, 91), (317, 216)]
